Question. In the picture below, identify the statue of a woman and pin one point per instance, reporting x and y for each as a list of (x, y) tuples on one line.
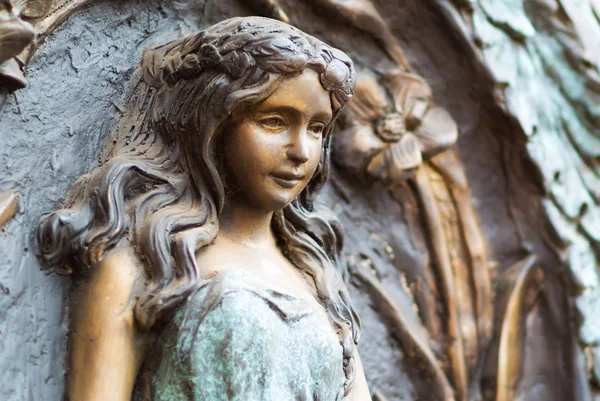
[(205, 271)]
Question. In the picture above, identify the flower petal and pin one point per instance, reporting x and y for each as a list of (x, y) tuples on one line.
[(437, 131), (406, 88), (396, 162)]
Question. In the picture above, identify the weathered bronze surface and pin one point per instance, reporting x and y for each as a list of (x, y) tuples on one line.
[(465, 173)]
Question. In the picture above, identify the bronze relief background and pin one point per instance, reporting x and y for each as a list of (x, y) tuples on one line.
[(466, 179)]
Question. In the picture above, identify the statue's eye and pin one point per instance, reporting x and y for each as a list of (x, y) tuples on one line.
[(273, 122), (317, 129)]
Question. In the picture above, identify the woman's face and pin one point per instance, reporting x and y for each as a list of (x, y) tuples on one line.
[(274, 149)]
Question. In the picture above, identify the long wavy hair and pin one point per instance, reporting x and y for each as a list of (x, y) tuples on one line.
[(159, 185)]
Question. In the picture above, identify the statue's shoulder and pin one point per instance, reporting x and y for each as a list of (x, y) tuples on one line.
[(116, 279), (104, 299), (121, 263)]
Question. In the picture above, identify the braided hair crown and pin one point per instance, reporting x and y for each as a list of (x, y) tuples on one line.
[(238, 45)]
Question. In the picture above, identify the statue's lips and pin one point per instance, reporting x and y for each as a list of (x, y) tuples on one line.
[(287, 180)]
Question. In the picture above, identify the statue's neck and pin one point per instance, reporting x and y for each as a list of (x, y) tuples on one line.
[(244, 224)]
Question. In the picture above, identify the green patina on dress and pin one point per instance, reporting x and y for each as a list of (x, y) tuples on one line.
[(234, 339)]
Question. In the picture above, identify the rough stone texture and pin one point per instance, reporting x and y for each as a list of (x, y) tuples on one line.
[(527, 108)]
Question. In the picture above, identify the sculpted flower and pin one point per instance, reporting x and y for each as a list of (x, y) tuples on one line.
[(15, 35), (390, 126)]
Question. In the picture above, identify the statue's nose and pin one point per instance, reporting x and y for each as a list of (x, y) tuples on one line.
[(297, 149)]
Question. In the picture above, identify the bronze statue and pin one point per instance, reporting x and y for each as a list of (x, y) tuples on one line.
[(204, 268)]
